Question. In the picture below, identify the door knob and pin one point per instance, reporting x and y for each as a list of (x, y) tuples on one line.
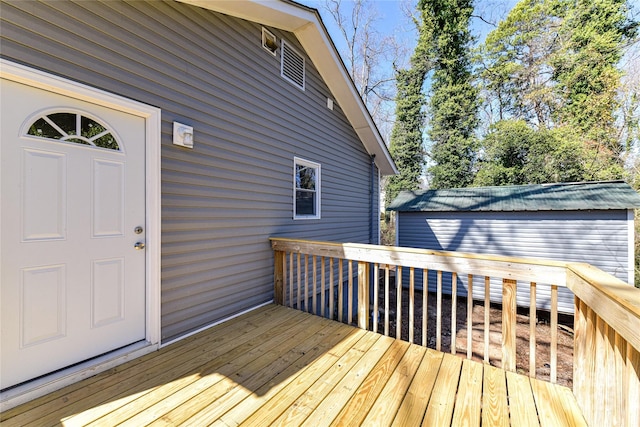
[(139, 246)]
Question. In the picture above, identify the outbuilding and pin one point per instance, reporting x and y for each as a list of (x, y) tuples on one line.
[(581, 222)]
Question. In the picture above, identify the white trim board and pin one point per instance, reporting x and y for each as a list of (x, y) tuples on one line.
[(39, 79), (49, 383), (211, 325)]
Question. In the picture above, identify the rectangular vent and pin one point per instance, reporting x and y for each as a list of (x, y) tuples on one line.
[(292, 65)]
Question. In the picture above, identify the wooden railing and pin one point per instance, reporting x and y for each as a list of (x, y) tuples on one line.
[(385, 289), (607, 347)]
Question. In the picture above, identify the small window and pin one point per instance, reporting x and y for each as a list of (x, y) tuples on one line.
[(306, 189), (292, 66), (269, 41), (74, 128)]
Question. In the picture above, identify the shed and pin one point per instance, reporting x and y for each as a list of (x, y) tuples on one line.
[(582, 222)]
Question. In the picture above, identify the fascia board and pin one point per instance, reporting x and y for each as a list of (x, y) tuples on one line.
[(274, 13), (306, 24)]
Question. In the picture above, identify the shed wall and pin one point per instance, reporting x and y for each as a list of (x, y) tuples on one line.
[(223, 199), (597, 237)]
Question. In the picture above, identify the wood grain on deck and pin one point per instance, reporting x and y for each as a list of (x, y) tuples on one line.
[(277, 366)]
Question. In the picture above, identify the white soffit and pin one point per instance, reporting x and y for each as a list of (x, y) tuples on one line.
[(306, 24)]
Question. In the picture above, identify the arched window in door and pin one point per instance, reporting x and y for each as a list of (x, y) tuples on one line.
[(75, 128)]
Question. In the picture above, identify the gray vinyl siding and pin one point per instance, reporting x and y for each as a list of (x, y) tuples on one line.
[(599, 238), (222, 200)]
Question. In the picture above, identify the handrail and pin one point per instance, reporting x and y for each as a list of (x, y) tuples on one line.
[(323, 277), (606, 347), (479, 265)]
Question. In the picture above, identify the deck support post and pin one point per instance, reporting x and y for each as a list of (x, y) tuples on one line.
[(509, 325), (278, 277), (363, 295)]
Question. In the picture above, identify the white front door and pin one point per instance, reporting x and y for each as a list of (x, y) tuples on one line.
[(72, 216)]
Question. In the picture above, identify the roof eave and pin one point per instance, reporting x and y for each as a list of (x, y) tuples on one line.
[(306, 24)]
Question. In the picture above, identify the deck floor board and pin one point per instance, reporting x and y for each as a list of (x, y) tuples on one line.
[(277, 366)]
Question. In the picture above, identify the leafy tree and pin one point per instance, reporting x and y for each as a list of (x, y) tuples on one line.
[(514, 153), (454, 105), (505, 152), (513, 64), (553, 64)]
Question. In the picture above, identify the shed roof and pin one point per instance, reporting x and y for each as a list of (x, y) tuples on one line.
[(306, 24), (540, 197)]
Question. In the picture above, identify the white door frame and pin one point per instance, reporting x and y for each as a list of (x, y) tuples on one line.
[(21, 74)]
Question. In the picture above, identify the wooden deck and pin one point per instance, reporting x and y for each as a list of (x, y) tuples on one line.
[(278, 366)]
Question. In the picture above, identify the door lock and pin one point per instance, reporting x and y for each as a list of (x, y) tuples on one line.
[(138, 230)]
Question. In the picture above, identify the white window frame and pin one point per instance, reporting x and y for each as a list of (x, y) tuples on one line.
[(307, 163)]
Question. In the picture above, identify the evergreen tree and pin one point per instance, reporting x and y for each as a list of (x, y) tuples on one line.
[(585, 68), (454, 105), (406, 145)]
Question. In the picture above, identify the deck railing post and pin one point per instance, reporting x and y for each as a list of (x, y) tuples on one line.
[(363, 295), (509, 325), (278, 277)]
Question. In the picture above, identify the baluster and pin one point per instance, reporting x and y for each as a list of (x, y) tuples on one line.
[(533, 313), (340, 290), (470, 316), (487, 309), (399, 302), (454, 309), (376, 292), (291, 279), (439, 311), (315, 285), (350, 294), (411, 302), (323, 286), (331, 301), (306, 283), (425, 307), (298, 299), (554, 333)]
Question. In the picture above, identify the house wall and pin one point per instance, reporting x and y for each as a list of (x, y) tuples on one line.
[(223, 199), (599, 238)]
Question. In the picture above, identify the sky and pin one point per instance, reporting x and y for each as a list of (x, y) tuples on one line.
[(393, 18)]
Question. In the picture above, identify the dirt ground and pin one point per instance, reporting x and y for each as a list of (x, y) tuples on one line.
[(543, 336)]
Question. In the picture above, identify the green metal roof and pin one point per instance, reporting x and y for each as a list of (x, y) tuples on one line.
[(539, 197)]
